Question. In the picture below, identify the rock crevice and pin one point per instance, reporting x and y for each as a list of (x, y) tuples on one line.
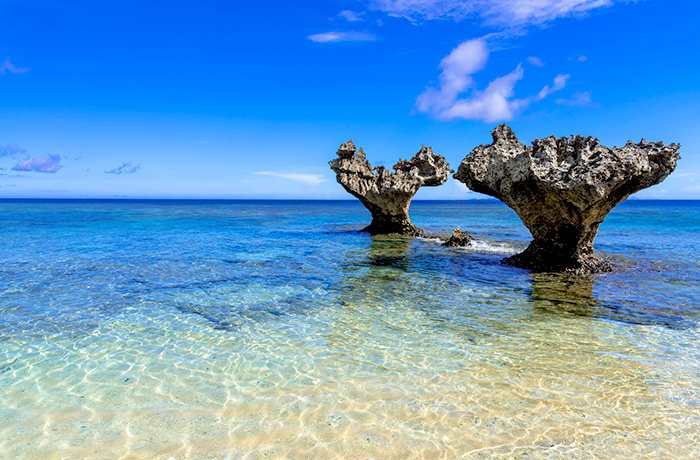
[(563, 189), (388, 194)]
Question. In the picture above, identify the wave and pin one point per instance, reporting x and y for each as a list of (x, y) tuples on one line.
[(481, 245)]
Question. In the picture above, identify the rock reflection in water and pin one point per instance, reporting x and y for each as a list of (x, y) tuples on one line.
[(388, 252), (563, 293)]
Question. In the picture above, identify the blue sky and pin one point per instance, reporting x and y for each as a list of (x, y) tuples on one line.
[(252, 99)]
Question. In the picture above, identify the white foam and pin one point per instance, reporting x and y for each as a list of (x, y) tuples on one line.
[(480, 245)]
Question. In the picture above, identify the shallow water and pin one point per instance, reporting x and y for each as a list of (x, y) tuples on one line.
[(198, 330)]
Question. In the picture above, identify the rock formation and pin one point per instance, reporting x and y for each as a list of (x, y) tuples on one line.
[(458, 238), (562, 189), (387, 195)]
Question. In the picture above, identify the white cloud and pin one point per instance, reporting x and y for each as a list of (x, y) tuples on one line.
[(425, 9), (124, 168), (492, 104), (11, 150), (336, 37), (559, 83), (459, 188), (508, 13), (49, 164), (578, 99), (537, 62), (457, 69), (8, 67), (311, 179), (351, 16), (582, 59), (495, 103)]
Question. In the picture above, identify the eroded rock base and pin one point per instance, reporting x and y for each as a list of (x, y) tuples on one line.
[(539, 258), (392, 225)]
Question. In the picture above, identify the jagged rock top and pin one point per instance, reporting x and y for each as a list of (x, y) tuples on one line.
[(354, 171), (578, 166), (387, 194)]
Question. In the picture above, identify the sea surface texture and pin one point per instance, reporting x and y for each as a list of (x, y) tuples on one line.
[(275, 330)]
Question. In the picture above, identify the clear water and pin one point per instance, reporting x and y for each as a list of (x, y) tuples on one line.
[(202, 330)]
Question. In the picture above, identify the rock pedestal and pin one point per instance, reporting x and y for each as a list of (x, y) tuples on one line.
[(562, 189), (386, 194)]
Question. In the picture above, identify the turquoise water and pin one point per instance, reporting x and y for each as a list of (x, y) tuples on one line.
[(198, 330)]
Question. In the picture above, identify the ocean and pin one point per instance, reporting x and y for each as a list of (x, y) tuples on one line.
[(274, 329)]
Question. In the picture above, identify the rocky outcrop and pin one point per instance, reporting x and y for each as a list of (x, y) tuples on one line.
[(458, 238), (562, 189), (386, 194)]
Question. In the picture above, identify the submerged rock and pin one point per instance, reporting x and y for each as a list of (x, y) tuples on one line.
[(562, 189), (387, 195), (458, 238)]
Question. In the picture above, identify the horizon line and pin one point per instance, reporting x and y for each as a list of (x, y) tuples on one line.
[(279, 199)]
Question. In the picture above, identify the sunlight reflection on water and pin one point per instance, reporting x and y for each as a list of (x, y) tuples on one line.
[(193, 330)]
